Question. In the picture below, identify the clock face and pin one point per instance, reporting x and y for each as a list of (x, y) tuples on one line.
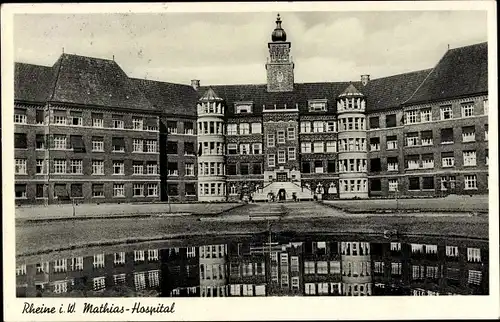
[(279, 76)]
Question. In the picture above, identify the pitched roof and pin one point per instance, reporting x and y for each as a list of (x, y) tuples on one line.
[(95, 81), (460, 72), (169, 97), (351, 90), (389, 92), (32, 83), (210, 95), (259, 95)]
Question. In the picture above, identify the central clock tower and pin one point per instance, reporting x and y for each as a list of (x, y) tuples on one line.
[(279, 64)]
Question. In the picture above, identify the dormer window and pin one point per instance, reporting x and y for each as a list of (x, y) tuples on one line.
[(243, 108), (317, 106)]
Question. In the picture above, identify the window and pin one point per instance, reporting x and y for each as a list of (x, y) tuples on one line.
[(412, 117), (20, 190), (318, 166), (118, 144), (244, 168), (40, 116), (474, 277), (317, 106), (151, 146), (322, 267), (60, 117), (151, 168), (40, 190), (331, 166), (76, 167), (189, 169), (425, 115), (392, 142), (393, 185), (153, 189), (21, 270), (485, 106), (60, 166), (97, 144), (20, 166), (118, 190), (270, 140), (396, 268), (97, 190), (309, 268), (291, 154), (171, 127), (97, 120), (447, 159), (98, 261), (172, 147), (20, 141), (119, 258), (414, 184), (40, 142), (291, 133), (375, 165), (392, 164), (271, 160), (374, 122), (428, 183), (305, 127), (153, 254), (452, 251), (281, 137), (331, 146), (232, 129), (20, 116), (426, 137), (468, 109), (118, 122), (469, 158), (486, 132), (281, 156), (318, 126), (75, 118), (374, 144), (446, 112), (468, 134), (139, 255), (243, 108), (447, 136), (305, 147), (306, 167), (138, 190), (244, 128), (118, 167), (256, 128), (474, 255), (232, 148), (331, 126), (172, 189), (428, 161), (257, 148), (137, 124), (470, 182), (172, 169), (319, 147), (138, 167), (412, 139)]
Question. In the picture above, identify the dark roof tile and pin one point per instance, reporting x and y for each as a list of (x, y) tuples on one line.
[(462, 71), (33, 83)]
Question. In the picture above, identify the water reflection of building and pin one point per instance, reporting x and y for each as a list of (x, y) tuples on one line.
[(213, 270), (356, 269), (288, 267)]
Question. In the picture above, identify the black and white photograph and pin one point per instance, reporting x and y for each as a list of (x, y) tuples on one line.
[(285, 150)]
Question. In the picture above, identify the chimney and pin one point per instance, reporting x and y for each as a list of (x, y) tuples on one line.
[(365, 79), (195, 83)]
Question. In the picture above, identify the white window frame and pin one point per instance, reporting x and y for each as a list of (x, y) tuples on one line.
[(138, 124), (426, 115), (270, 140), (271, 160), (412, 117), (98, 261), (305, 147), (292, 153), (290, 133), (470, 182), (244, 128), (118, 190), (281, 137), (139, 256), (20, 118), (20, 166), (469, 136), (257, 148), (446, 112), (256, 128), (153, 254), (281, 156), (120, 166), (76, 166), (138, 187), (98, 145), (318, 127), (152, 189), (305, 127), (331, 146), (467, 109), (469, 158), (447, 162), (319, 147), (118, 124), (60, 142), (60, 166), (232, 129)]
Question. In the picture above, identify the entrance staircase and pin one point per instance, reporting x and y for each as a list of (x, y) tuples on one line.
[(302, 193)]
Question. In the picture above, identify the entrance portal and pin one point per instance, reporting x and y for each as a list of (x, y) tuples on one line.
[(282, 195), (281, 177)]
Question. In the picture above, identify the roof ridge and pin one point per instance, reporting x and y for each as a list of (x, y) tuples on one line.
[(406, 73), (91, 57), (158, 81)]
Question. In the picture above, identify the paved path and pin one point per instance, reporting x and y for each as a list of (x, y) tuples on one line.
[(120, 210)]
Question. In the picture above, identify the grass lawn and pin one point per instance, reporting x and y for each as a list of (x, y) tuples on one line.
[(452, 203), (66, 210)]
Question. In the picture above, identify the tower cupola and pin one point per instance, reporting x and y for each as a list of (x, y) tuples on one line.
[(278, 33)]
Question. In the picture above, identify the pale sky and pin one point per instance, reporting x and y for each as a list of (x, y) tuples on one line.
[(231, 48)]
